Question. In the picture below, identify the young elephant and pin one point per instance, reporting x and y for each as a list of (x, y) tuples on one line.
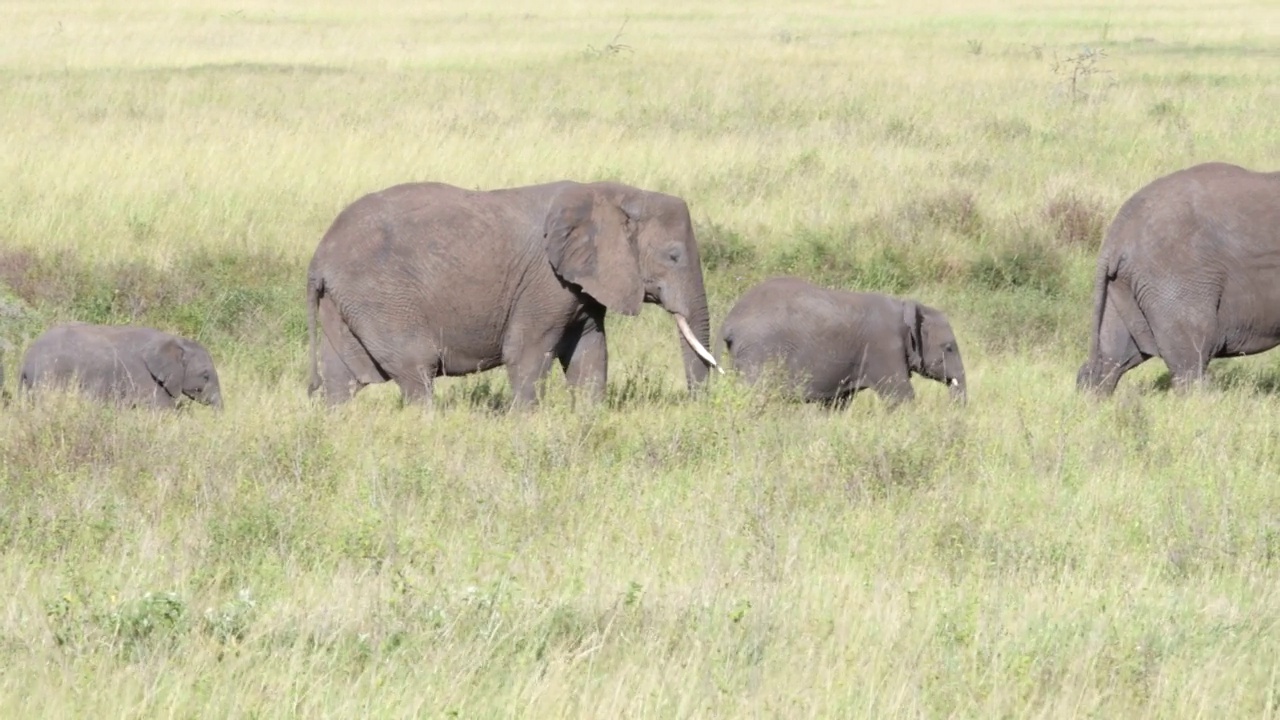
[(127, 364), (832, 343)]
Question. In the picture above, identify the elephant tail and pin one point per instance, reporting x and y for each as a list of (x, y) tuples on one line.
[(315, 286), (1101, 278)]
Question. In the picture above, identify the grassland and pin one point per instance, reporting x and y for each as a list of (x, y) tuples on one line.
[(1035, 554)]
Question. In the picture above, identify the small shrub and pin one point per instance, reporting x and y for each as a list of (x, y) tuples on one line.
[(35, 278), (229, 623), (1075, 220), (136, 625), (611, 48), (956, 210), (1077, 70), (80, 622)]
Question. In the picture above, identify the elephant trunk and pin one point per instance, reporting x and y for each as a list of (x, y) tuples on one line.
[(694, 324)]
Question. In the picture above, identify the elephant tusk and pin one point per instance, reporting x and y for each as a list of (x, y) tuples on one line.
[(955, 382), (689, 337)]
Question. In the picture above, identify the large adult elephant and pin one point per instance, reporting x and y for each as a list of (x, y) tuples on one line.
[(426, 279), (1189, 271)]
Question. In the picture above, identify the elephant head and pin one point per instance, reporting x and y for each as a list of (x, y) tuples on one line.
[(184, 368), (624, 246), (932, 350)]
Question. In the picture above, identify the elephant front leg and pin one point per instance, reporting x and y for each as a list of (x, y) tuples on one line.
[(526, 372), (160, 399), (896, 389), (584, 355)]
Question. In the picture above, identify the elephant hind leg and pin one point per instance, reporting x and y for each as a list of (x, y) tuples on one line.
[(337, 381), (1189, 350), (1118, 350), (345, 364), (416, 387), (413, 362), (1187, 336)]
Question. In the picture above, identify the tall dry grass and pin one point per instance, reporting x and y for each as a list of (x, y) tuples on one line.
[(1033, 554)]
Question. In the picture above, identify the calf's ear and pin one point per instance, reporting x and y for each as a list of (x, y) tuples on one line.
[(911, 321), (165, 360)]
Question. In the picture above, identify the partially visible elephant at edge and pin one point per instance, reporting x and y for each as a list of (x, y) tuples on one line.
[(1189, 271), (832, 343), (426, 279), (123, 363)]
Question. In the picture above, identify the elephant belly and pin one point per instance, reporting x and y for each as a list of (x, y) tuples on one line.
[(1248, 341), (458, 359), (102, 377), (464, 348), (821, 380), (1249, 318), (420, 336)]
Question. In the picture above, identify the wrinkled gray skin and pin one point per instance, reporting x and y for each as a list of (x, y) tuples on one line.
[(832, 343), (1189, 271), (126, 364), (426, 279)]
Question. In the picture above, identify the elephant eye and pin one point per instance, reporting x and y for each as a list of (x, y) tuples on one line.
[(949, 347), (674, 255)]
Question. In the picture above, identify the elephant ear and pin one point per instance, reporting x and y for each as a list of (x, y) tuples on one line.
[(165, 360), (911, 321), (589, 243)]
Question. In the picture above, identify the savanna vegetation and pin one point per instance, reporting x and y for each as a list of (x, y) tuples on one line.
[(1034, 554)]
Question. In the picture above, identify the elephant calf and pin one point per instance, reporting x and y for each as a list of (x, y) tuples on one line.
[(127, 364), (832, 343)]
